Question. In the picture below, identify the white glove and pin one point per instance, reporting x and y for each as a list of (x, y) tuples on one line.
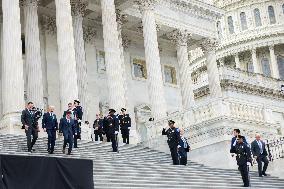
[(116, 132), (248, 164), (79, 121)]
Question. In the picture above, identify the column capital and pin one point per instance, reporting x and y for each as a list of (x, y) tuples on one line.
[(89, 34), (49, 24), (29, 3), (209, 44), (120, 18), (146, 4), (78, 7), (180, 37)]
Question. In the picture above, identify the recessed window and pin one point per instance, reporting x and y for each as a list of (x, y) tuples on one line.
[(257, 17), (139, 68), (271, 14), (243, 21), (101, 61), (265, 67), (170, 75), (231, 25), (219, 29), (280, 61)]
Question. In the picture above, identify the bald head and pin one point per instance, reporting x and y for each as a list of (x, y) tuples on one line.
[(257, 136), (51, 108)]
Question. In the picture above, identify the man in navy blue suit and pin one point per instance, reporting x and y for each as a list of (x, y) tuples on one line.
[(183, 148), (50, 126), (236, 133), (67, 127)]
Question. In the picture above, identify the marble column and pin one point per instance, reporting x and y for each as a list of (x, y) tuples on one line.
[(121, 19), (1, 63), (66, 53), (209, 48), (180, 37), (152, 56), (256, 68), (12, 68), (78, 10), (114, 71), (274, 65), (33, 56), (237, 61)]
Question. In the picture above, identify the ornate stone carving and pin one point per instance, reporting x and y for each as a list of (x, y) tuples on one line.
[(89, 34), (179, 36), (29, 3), (49, 24), (125, 41), (78, 7), (146, 4), (120, 18), (209, 44)]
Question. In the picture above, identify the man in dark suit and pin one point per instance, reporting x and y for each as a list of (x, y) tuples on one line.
[(125, 124), (259, 153), (183, 148), (111, 122), (173, 135), (98, 127), (236, 132), (31, 128), (243, 157), (67, 127), (50, 126)]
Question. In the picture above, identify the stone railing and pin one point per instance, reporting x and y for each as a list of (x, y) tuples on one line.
[(216, 119), (275, 148)]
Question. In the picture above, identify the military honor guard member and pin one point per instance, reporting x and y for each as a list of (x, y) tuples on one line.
[(260, 154), (111, 125), (125, 124), (243, 157), (50, 126), (67, 127), (173, 135), (30, 125), (98, 127), (183, 148), (79, 116)]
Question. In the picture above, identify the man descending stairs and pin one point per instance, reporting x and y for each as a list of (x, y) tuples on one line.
[(139, 167)]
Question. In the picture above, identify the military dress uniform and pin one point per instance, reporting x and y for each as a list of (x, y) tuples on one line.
[(173, 135), (243, 158), (125, 124), (111, 126)]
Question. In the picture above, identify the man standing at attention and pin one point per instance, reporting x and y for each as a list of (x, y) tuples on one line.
[(125, 124), (50, 126), (173, 135), (259, 153)]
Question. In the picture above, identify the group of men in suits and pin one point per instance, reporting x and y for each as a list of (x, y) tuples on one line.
[(69, 126), (110, 125), (245, 153), (177, 143)]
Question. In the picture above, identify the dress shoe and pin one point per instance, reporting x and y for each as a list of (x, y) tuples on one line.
[(264, 174), (63, 151), (260, 175), (50, 152)]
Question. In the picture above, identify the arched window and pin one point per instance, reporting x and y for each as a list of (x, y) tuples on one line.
[(257, 17), (219, 29), (243, 21), (231, 25), (280, 61), (271, 14), (265, 67)]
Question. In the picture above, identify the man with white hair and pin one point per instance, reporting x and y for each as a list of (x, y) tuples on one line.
[(50, 126), (259, 153)]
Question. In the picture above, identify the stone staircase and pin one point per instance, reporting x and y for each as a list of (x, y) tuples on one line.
[(139, 167)]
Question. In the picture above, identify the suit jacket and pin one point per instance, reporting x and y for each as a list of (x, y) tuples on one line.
[(234, 140), (49, 122), (79, 112), (256, 149), (67, 128), (27, 118), (183, 147)]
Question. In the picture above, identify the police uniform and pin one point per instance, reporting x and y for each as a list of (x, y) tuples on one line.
[(111, 127), (243, 157), (78, 111), (173, 135), (125, 124)]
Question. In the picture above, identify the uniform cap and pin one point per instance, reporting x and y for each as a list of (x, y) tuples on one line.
[(77, 100), (123, 109), (171, 122), (111, 111)]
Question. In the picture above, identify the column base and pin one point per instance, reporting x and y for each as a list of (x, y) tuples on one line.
[(11, 124)]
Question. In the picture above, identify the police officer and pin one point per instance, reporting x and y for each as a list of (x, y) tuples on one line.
[(243, 157), (125, 124), (98, 128), (111, 123), (78, 112), (173, 135), (50, 126)]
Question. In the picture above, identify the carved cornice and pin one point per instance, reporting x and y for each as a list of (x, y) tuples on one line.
[(120, 18), (201, 92), (146, 4), (78, 7), (89, 34), (49, 24), (180, 37), (29, 3), (125, 41)]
